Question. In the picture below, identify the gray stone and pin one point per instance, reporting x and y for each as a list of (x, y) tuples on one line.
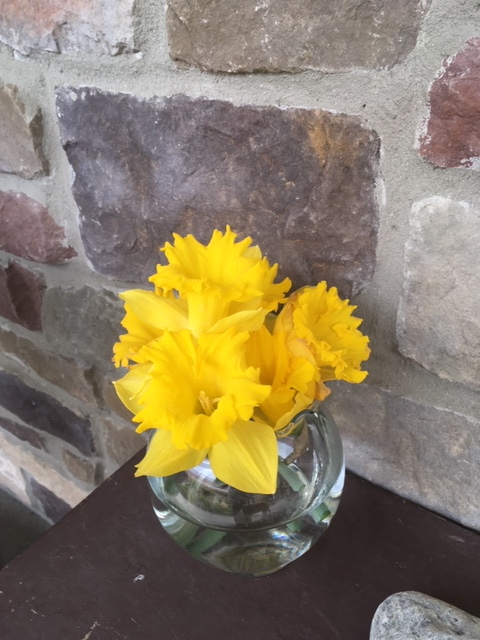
[(406, 447), (87, 26), (451, 132), (21, 295), (301, 182), (121, 442), (45, 413), (30, 232), (17, 145), (26, 434), (438, 320), (53, 506), (59, 371), (293, 35), (82, 323), (415, 616)]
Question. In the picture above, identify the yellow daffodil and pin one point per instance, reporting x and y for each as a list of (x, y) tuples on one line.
[(214, 373), (225, 283), (294, 380), (203, 394), (319, 325)]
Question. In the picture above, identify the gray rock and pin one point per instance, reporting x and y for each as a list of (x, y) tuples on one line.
[(438, 320), (82, 324), (301, 182), (293, 35), (416, 616), (46, 414), (17, 148), (406, 447)]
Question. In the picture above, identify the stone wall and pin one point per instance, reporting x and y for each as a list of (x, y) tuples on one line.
[(343, 135)]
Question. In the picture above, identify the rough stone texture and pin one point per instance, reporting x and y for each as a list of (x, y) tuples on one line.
[(30, 232), (17, 143), (44, 472), (406, 447), (438, 319), (86, 26), (22, 432), (80, 468), (59, 371), (12, 480), (44, 413), (82, 323), (300, 181), (53, 506), (121, 442), (21, 295), (286, 35), (451, 133), (416, 616)]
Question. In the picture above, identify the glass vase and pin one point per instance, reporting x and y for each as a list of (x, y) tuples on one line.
[(256, 534)]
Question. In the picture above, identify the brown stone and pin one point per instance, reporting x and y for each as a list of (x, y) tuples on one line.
[(293, 35), (30, 232), (121, 442), (26, 434), (17, 145), (21, 295), (59, 371), (87, 26), (301, 182), (451, 135), (83, 323), (80, 468), (46, 414)]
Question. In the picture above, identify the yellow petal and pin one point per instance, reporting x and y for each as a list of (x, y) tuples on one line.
[(164, 459), (248, 459), (130, 386)]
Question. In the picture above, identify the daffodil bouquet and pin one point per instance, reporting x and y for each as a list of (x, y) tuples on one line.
[(217, 371)]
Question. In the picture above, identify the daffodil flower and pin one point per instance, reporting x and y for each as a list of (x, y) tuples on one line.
[(202, 394), (319, 325)]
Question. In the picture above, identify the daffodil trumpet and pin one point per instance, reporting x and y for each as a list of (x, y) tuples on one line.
[(220, 361)]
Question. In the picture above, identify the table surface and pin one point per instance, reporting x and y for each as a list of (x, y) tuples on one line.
[(108, 571)]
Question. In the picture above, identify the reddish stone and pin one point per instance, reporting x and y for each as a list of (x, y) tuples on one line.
[(451, 135), (17, 148), (90, 26), (21, 295), (30, 232), (300, 182)]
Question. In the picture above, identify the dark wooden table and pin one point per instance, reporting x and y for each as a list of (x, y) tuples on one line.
[(108, 571)]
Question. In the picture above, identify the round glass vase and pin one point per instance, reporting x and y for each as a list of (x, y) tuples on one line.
[(256, 534)]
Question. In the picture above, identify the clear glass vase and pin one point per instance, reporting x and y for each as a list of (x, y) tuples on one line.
[(256, 534)]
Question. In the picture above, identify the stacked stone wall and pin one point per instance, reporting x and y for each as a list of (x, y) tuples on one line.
[(344, 136)]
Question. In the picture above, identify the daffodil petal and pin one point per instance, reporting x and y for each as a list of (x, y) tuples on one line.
[(248, 459), (129, 387), (164, 459)]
